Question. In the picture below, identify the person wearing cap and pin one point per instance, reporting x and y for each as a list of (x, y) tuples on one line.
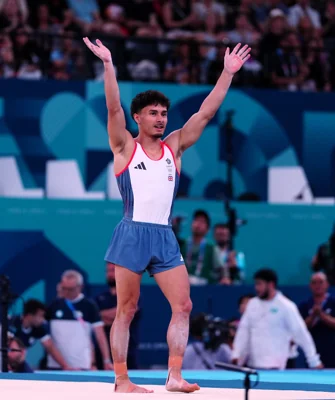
[(276, 27)]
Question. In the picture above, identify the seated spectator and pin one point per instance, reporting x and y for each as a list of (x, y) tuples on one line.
[(145, 57), (267, 327), (31, 326), (324, 260), (319, 315), (243, 32), (72, 320), (246, 7), (286, 69), (44, 23), (115, 15), (229, 263), (139, 14), (278, 4), (275, 29), (179, 14), (87, 13), (17, 357), (215, 67), (198, 252), (306, 31), (329, 23), (180, 67), (63, 59), (261, 11), (13, 15), (301, 9), (210, 14), (107, 302), (203, 354), (7, 63), (70, 23), (26, 51), (316, 60)]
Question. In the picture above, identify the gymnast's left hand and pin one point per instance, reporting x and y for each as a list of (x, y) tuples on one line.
[(234, 61)]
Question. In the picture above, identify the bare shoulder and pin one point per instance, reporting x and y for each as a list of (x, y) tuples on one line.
[(173, 141)]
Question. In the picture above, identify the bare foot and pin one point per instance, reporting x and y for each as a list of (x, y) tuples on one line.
[(175, 383), (123, 385)]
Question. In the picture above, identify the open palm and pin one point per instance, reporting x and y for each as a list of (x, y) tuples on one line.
[(234, 61), (99, 49)]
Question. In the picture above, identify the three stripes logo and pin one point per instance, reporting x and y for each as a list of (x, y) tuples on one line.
[(141, 166)]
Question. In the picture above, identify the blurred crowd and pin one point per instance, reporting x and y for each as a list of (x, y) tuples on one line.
[(266, 332), (212, 257), (179, 41), (73, 329)]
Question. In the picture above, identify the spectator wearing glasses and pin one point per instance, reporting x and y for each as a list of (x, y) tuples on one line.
[(73, 319), (17, 356)]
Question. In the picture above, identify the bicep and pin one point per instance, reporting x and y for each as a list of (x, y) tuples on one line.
[(118, 135)]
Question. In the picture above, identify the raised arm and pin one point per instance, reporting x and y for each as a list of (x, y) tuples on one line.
[(119, 137), (185, 137)]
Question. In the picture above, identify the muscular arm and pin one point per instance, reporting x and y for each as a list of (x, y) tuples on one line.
[(185, 137), (119, 138)]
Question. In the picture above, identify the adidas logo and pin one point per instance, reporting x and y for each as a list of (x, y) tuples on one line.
[(140, 166)]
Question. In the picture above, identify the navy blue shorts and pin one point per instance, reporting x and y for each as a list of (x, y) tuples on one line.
[(140, 246)]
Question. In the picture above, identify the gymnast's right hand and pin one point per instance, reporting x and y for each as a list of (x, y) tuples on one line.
[(99, 50)]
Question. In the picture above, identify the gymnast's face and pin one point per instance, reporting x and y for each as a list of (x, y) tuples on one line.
[(152, 120)]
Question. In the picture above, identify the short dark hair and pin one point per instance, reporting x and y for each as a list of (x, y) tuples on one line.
[(150, 97), (267, 275), (245, 296), (18, 341), (32, 306), (203, 214)]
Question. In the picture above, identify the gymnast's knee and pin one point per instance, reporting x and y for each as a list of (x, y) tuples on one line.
[(184, 306), (126, 311)]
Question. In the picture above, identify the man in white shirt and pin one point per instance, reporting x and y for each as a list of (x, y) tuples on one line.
[(271, 321)]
